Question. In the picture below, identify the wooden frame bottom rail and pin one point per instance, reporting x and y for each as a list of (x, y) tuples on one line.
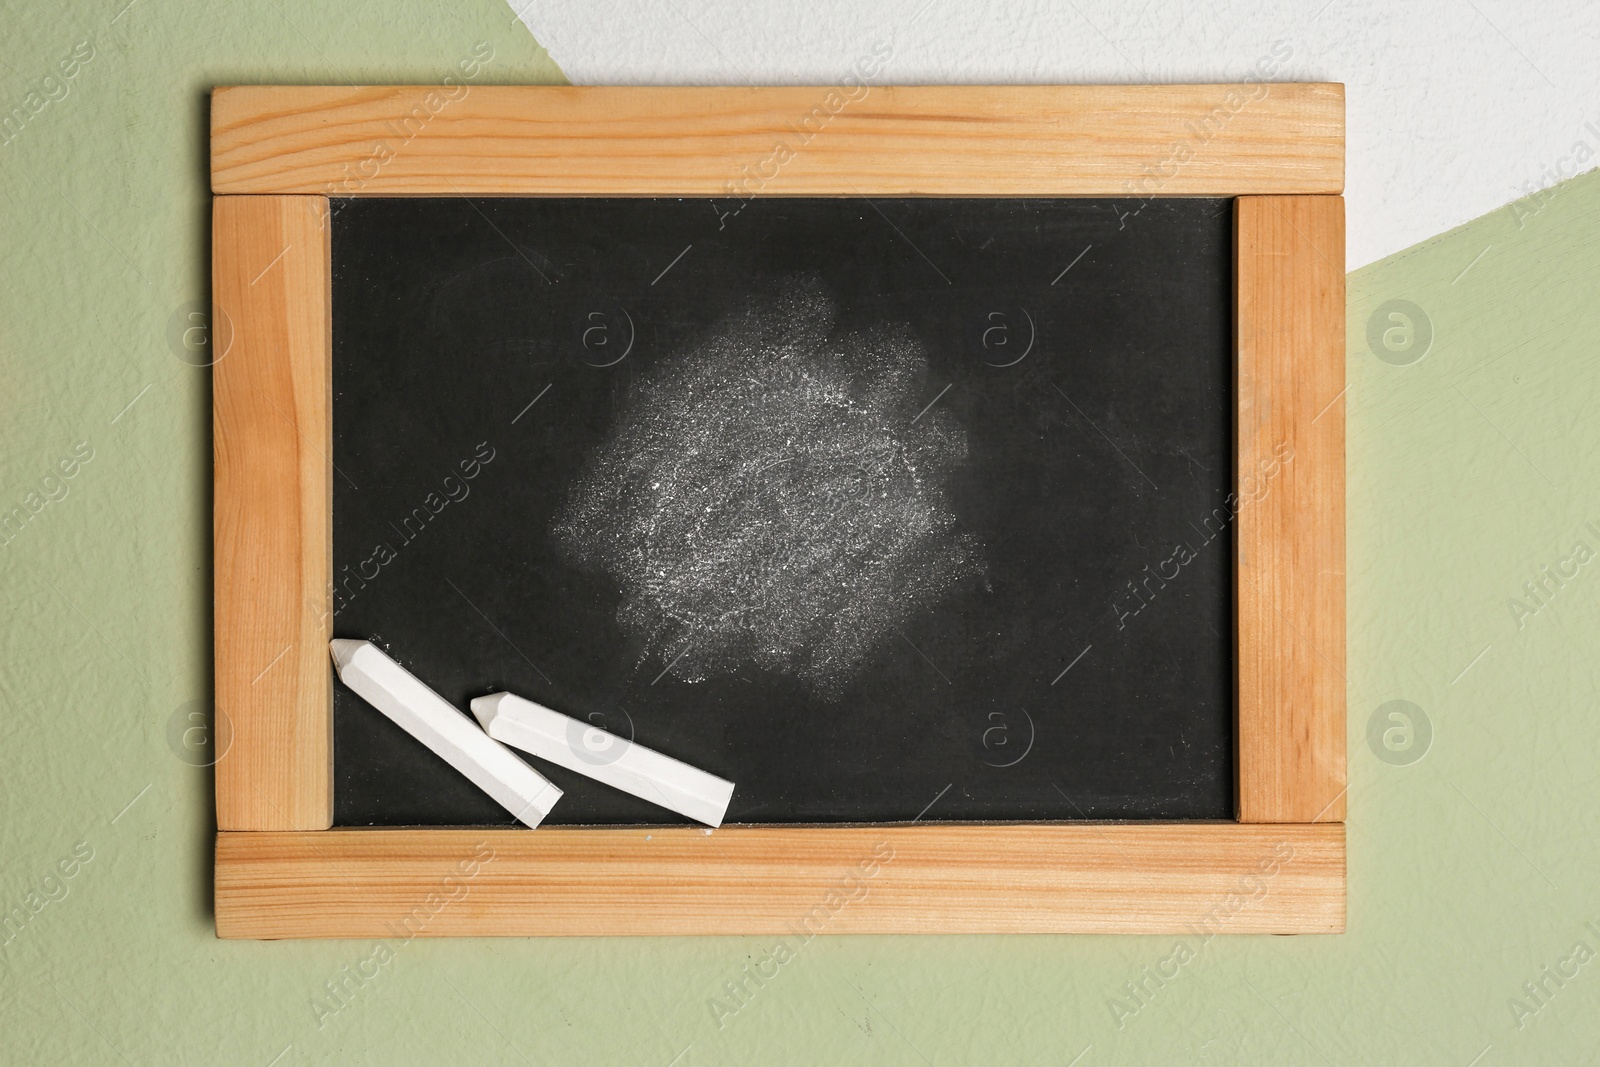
[(1188, 878)]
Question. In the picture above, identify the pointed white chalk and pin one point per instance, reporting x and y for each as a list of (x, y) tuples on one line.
[(434, 721), (344, 650), (605, 757)]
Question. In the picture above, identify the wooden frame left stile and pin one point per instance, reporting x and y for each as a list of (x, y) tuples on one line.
[(273, 517)]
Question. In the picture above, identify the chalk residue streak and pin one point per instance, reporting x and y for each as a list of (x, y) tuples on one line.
[(771, 498)]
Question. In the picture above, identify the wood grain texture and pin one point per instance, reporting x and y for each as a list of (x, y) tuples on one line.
[(1192, 878), (272, 517), (1290, 531), (1062, 140)]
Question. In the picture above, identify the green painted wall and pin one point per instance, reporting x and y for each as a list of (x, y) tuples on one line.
[(1472, 869)]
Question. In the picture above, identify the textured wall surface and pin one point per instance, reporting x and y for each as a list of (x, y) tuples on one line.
[(1474, 457)]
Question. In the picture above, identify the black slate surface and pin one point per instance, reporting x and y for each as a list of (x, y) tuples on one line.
[(1090, 459)]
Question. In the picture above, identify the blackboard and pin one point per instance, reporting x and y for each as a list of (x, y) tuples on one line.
[(883, 509)]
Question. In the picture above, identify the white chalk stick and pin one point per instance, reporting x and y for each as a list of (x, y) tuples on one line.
[(605, 757), (434, 721)]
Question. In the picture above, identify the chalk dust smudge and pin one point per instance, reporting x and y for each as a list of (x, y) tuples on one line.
[(766, 500)]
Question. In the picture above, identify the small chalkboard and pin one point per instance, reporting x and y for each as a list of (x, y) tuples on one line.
[(883, 509), (959, 473)]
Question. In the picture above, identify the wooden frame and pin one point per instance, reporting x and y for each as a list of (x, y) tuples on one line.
[(279, 152)]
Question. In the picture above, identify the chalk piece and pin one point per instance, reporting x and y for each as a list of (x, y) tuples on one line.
[(431, 719), (605, 757)]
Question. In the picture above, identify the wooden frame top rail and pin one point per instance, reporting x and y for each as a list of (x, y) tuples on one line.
[(1062, 140)]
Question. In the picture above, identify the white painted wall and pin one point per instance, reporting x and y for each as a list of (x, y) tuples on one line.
[(1455, 107)]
